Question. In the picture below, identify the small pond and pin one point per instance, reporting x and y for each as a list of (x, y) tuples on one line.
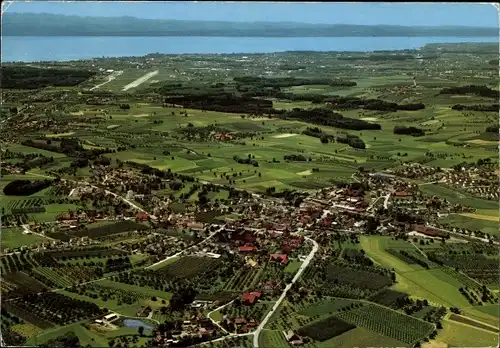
[(136, 323)]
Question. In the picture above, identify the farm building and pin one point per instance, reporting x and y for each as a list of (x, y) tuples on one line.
[(247, 248), (283, 258), (292, 338), (250, 297), (195, 226), (251, 262), (401, 194), (428, 231), (110, 317)]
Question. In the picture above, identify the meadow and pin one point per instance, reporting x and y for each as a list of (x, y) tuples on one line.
[(435, 284)]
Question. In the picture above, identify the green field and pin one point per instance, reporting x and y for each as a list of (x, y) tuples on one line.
[(436, 286), (458, 197), (15, 238), (328, 306), (462, 335), (361, 337), (293, 266), (485, 226)]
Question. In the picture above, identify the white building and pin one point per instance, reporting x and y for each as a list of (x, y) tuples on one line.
[(130, 195)]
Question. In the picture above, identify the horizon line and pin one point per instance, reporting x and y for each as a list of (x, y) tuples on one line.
[(256, 22)]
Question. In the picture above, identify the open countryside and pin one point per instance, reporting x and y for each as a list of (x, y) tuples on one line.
[(260, 200)]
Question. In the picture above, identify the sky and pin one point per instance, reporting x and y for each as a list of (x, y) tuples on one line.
[(412, 14)]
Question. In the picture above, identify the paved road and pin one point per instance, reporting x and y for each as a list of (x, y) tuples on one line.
[(386, 201), (484, 240), (27, 230), (133, 205), (184, 250), (215, 310), (283, 295)]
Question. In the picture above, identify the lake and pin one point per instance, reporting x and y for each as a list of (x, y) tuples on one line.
[(62, 48), (136, 323)]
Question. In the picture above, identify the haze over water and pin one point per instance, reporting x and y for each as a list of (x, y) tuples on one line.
[(36, 48)]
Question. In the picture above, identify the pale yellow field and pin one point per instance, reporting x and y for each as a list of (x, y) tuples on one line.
[(27, 330), (285, 135), (305, 172), (482, 142), (59, 135), (481, 216), (462, 335)]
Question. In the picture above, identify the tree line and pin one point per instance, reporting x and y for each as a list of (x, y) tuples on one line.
[(222, 102), (413, 131), (291, 81), (348, 103), (482, 91), (32, 78), (25, 187), (327, 117), (476, 107)]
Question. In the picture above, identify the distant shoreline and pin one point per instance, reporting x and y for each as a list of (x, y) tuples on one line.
[(80, 48), (497, 36)]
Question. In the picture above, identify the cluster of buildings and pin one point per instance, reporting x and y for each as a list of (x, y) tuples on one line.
[(197, 327)]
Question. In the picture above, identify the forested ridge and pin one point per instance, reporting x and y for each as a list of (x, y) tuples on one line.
[(31, 24)]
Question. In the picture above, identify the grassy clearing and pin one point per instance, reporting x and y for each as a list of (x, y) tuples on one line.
[(148, 292), (462, 335), (14, 238), (67, 134), (419, 283), (27, 149), (434, 285), (481, 217), (362, 338), (457, 197), (484, 225), (272, 338), (85, 336), (324, 307), (27, 330), (374, 247), (293, 266)]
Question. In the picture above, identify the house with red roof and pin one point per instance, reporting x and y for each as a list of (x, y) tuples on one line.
[(402, 194), (250, 297), (283, 258), (142, 216), (247, 248)]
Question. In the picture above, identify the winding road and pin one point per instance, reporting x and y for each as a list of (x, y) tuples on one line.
[(215, 310)]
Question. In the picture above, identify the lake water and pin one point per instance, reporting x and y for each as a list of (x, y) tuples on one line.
[(44, 48), (136, 323)]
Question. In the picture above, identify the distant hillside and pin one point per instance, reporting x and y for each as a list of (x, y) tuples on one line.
[(30, 24)]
